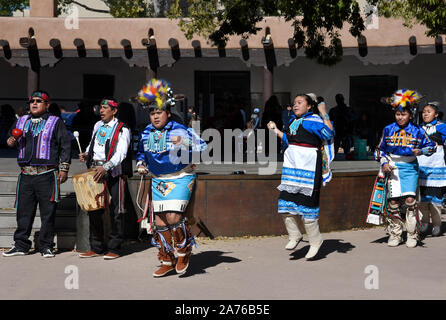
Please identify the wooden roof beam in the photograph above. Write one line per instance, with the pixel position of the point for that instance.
(292, 48)
(362, 46)
(104, 48)
(268, 48)
(30, 44)
(438, 44)
(127, 45)
(175, 49)
(80, 46)
(245, 49)
(152, 50)
(413, 45)
(197, 48)
(57, 48)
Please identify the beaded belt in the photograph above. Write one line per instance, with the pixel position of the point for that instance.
(36, 170)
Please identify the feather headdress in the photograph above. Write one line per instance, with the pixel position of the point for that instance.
(156, 92)
(405, 98)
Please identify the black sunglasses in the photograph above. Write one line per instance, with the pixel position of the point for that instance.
(36, 100)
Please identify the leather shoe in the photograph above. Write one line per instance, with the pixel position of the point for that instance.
(164, 269)
(111, 256)
(89, 254)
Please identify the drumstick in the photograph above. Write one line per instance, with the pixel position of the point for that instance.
(76, 135)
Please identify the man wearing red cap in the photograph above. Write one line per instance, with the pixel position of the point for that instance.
(44, 159)
(108, 153)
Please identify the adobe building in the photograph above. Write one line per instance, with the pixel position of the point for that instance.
(87, 58)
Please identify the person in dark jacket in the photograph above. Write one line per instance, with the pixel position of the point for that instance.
(44, 159)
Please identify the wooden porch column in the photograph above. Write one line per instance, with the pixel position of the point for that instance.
(30, 44)
(33, 80)
(267, 83)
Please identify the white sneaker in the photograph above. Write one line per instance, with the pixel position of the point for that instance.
(14, 252)
(48, 253)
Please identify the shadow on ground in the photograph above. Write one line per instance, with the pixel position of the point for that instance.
(207, 259)
(128, 248)
(328, 246)
(134, 247)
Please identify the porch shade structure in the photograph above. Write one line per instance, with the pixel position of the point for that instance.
(36, 42)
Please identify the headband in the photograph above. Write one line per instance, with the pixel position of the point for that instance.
(110, 103)
(39, 94)
(435, 104)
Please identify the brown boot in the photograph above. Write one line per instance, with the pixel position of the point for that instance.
(183, 244)
(183, 262)
(162, 238)
(167, 265)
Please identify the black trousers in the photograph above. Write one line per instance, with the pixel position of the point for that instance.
(33, 190)
(96, 218)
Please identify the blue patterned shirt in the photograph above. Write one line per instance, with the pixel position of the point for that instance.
(401, 141)
(157, 151)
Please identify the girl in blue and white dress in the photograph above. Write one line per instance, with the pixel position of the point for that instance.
(303, 169)
(432, 171)
(401, 143)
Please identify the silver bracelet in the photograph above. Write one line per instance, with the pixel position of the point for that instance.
(108, 165)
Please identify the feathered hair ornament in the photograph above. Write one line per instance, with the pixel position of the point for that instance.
(405, 98)
(156, 93)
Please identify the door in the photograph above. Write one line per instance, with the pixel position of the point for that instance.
(219, 93)
(365, 99)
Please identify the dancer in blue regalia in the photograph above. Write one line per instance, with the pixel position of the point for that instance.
(432, 171)
(309, 150)
(401, 143)
(165, 152)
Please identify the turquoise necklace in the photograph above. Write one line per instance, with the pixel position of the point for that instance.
(157, 141)
(35, 125)
(295, 126)
(103, 134)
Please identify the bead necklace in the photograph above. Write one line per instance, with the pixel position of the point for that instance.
(35, 125)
